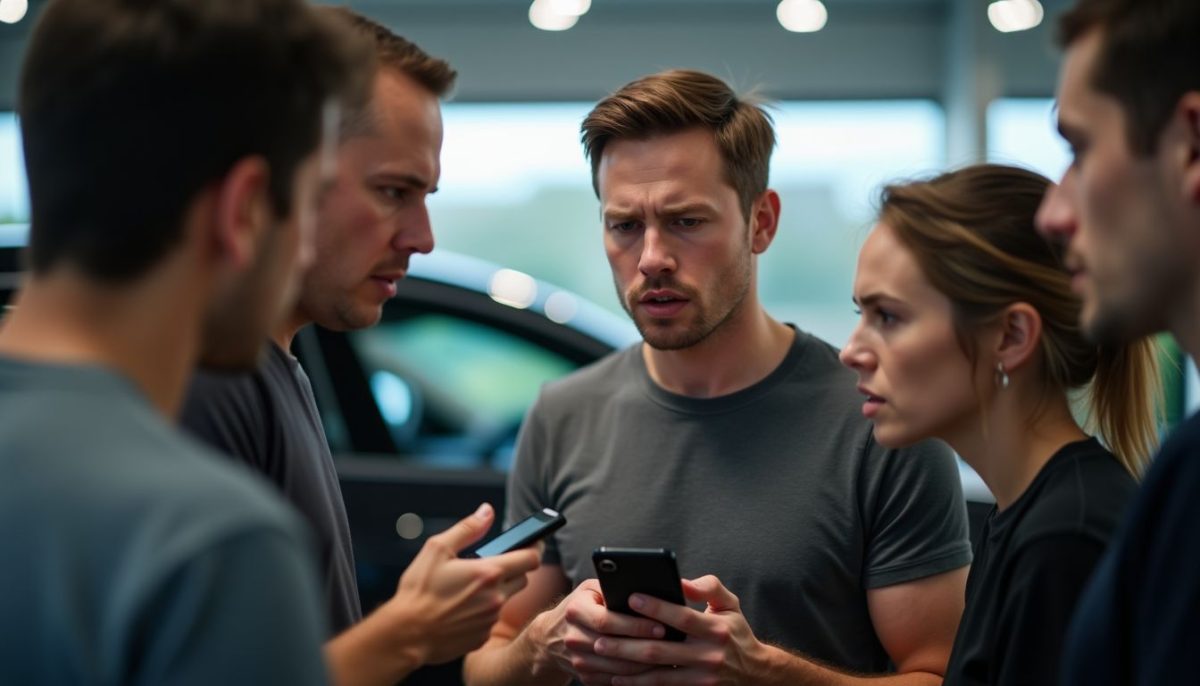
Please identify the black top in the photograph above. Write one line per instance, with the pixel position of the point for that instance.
(1139, 618)
(1031, 562)
(269, 420)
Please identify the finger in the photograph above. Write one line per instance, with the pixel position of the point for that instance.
(681, 617)
(647, 652)
(664, 676)
(586, 663)
(710, 590)
(465, 531)
(513, 585)
(517, 562)
(601, 620)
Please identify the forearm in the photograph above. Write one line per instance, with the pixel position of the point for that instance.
(378, 651)
(784, 668)
(510, 662)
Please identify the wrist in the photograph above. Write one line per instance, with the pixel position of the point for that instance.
(533, 642)
(405, 634)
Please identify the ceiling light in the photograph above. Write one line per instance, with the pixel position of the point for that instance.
(1015, 15)
(570, 8)
(13, 11)
(802, 16)
(543, 15)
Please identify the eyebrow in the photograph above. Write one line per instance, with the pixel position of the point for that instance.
(675, 210)
(403, 179)
(872, 299)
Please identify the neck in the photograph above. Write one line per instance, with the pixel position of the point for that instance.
(738, 354)
(1007, 448)
(286, 332)
(142, 331)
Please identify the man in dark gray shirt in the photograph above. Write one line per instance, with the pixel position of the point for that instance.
(170, 150)
(727, 436)
(372, 220)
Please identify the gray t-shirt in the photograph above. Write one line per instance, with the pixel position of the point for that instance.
(268, 420)
(778, 489)
(134, 555)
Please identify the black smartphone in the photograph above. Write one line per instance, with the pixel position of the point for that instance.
(650, 571)
(523, 533)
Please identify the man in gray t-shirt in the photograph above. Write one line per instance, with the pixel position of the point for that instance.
(809, 554)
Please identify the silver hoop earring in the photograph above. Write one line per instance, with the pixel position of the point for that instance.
(1001, 376)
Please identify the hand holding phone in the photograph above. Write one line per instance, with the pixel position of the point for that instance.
(525, 532)
(650, 571)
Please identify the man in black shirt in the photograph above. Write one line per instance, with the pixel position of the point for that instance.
(1129, 210)
(372, 220)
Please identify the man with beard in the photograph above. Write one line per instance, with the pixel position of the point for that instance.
(729, 437)
(1128, 211)
(370, 223)
(170, 150)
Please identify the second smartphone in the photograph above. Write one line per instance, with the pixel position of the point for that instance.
(649, 571)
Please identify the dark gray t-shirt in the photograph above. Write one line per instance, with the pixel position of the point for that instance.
(778, 489)
(133, 554)
(269, 421)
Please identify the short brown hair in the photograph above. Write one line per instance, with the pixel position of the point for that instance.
(129, 109)
(972, 233)
(679, 99)
(395, 53)
(1148, 59)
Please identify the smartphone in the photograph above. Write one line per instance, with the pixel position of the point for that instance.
(525, 532)
(650, 571)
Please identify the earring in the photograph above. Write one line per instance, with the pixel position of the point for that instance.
(1001, 376)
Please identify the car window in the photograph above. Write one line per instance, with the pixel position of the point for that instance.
(453, 392)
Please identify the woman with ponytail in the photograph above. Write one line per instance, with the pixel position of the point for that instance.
(969, 333)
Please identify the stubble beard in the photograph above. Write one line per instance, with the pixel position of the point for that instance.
(728, 299)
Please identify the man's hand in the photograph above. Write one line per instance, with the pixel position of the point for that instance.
(720, 647)
(452, 603)
(565, 635)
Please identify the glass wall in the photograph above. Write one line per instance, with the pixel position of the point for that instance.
(14, 196)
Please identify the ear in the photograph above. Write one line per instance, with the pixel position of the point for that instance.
(1189, 112)
(243, 211)
(1020, 335)
(764, 221)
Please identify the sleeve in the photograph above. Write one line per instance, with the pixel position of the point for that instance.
(915, 514)
(242, 612)
(1044, 585)
(526, 488)
(226, 411)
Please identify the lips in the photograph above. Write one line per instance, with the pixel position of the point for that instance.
(662, 303)
(872, 404)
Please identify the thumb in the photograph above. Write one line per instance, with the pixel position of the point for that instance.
(710, 590)
(467, 530)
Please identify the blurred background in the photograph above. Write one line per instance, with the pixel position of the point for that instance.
(422, 410)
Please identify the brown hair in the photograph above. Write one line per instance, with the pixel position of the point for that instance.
(391, 52)
(972, 233)
(679, 99)
(1140, 38)
(129, 109)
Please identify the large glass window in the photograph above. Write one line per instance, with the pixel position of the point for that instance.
(1022, 131)
(14, 195)
(516, 190)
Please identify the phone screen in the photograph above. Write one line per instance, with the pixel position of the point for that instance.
(523, 533)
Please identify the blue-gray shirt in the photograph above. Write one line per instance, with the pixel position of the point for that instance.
(133, 555)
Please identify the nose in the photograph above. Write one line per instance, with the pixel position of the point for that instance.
(855, 354)
(1056, 218)
(657, 256)
(414, 233)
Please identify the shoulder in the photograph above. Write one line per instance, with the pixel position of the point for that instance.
(600, 379)
(1081, 493)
